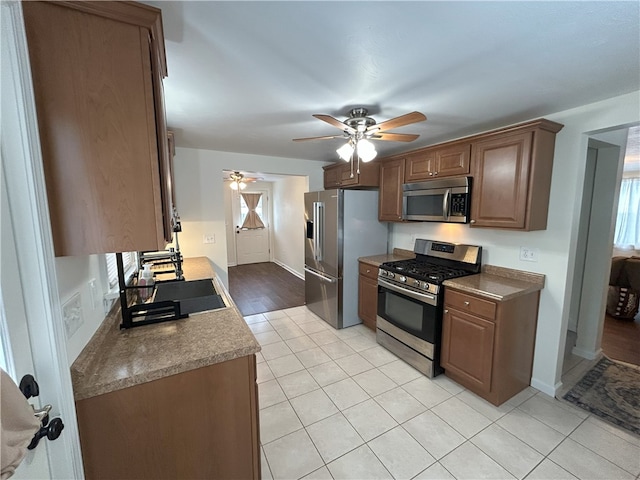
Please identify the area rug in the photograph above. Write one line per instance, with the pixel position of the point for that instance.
(610, 390)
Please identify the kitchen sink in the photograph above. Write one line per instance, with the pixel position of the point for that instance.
(194, 296)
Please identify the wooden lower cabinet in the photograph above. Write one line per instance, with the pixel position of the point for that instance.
(198, 424)
(368, 294)
(488, 346)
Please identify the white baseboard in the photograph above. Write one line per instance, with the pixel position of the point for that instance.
(289, 269)
(588, 354)
(550, 390)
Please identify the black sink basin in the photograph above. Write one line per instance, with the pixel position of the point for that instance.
(194, 296)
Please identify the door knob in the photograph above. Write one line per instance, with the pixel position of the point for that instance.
(51, 431)
(29, 387)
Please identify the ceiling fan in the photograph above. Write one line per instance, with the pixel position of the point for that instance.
(239, 181)
(359, 128)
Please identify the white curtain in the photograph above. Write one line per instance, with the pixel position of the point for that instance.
(627, 223)
(252, 220)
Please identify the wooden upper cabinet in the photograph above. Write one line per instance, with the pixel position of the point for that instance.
(452, 159)
(339, 175)
(512, 177)
(97, 71)
(392, 174)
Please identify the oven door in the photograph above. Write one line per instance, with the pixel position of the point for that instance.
(414, 312)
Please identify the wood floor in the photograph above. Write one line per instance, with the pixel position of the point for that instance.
(621, 339)
(263, 287)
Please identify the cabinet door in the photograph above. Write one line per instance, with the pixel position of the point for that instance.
(390, 198)
(500, 189)
(453, 160)
(420, 166)
(331, 177)
(94, 93)
(467, 348)
(346, 176)
(367, 300)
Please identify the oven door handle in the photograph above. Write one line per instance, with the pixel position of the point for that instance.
(423, 297)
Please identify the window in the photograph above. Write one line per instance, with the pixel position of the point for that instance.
(627, 234)
(128, 262)
(251, 210)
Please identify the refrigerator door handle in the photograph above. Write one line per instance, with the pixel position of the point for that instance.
(318, 237)
(319, 275)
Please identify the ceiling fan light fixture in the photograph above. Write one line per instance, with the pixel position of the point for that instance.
(345, 152)
(366, 150)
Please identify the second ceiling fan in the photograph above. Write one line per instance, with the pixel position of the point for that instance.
(359, 128)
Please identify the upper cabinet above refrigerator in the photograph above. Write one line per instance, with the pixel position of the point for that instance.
(97, 71)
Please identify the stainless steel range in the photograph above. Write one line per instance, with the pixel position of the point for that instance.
(411, 297)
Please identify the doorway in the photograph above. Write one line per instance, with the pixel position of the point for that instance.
(594, 249)
(250, 209)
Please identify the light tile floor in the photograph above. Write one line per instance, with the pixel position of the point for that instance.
(334, 404)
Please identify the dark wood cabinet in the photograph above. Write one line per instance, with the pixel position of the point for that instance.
(342, 175)
(444, 161)
(488, 346)
(202, 423)
(390, 199)
(368, 294)
(512, 177)
(99, 67)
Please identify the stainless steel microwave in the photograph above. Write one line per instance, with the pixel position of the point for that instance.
(443, 200)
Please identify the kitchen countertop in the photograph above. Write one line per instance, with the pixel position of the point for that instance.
(498, 283)
(377, 260)
(115, 359)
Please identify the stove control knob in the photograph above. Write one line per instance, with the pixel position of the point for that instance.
(382, 273)
(416, 283)
(390, 274)
(403, 279)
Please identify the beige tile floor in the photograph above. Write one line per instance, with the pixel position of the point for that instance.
(334, 404)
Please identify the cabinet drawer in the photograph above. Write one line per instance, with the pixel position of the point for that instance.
(469, 304)
(368, 270)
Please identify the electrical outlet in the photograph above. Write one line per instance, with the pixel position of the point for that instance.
(529, 254)
(72, 315)
(209, 238)
(95, 297)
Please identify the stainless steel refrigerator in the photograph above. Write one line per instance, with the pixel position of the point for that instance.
(340, 226)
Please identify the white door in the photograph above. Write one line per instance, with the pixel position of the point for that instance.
(33, 339)
(252, 242)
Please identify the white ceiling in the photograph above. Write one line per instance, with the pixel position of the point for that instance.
(247, 76)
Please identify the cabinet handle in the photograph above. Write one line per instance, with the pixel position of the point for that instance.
(431, 174)
(466, 304)
(472, 221)
(435, 173)
(368, 271)
(446, 310)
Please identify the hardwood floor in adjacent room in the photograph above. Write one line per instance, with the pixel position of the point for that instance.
(264, 287)
(621, 339)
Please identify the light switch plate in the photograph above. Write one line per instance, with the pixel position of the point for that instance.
(209, 238)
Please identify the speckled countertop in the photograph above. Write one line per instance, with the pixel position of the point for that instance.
(115, 359)
(498, 283)
(377, 260)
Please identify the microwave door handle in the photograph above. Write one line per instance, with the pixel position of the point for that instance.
(445, 204)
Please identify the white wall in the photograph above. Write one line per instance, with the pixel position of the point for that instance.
(74, 274)
(557, 243)
(288, 223)
(200, 195)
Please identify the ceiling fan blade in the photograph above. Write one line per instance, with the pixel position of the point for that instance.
(317, 138)
(395, 137)
(334, 122)
(413, 117)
